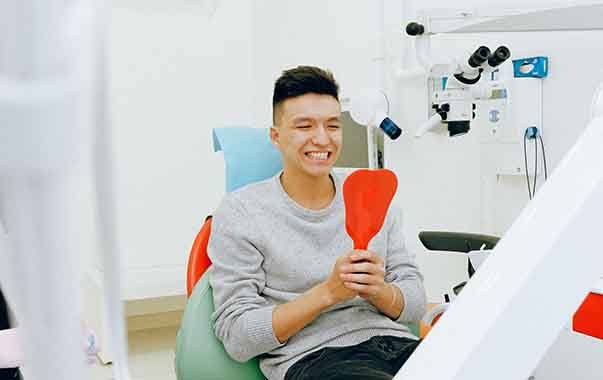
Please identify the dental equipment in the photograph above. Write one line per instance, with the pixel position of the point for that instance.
(371, 108)
(457, 86)
(530, 302)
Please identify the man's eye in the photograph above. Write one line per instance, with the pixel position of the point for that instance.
(303, 126)
(334, 126)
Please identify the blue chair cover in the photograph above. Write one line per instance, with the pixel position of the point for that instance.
(248, 154)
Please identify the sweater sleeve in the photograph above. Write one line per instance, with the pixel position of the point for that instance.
(402, 271)
(242, 318)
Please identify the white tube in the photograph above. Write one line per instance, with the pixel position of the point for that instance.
(107, 215)
(370, 136)
(379, 60)
(432, 123)
(423, 49)
(405, 72)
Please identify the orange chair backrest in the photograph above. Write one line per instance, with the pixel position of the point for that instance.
(588, 319)
(198, 260)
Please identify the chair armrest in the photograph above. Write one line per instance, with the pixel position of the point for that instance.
(456, 241)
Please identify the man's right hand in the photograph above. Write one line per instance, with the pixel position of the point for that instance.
(337, 292)
(292, 316)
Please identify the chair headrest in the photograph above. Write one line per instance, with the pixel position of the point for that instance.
(249, 155)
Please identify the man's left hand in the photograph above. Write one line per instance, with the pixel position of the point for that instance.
(365, 274)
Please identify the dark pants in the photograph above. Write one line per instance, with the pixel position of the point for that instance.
(378, 358)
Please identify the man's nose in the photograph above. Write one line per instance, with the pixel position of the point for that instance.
(321, 136)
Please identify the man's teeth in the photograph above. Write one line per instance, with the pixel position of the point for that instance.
(318, 156)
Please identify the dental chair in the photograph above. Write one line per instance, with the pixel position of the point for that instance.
(249, 157)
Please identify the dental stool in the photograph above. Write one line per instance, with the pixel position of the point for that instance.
(249, 157)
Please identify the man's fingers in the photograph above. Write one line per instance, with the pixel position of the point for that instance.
(362, 289)
(361, 278)
(358, 255)
(363, 267)
(372, 257)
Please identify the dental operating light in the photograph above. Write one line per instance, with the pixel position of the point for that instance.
(371, 108)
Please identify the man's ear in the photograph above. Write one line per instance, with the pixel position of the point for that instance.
(274, 135)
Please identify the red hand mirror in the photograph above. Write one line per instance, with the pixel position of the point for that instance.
(367, 195)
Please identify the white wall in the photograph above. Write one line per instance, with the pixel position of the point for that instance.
(338, 35)
(176, 73)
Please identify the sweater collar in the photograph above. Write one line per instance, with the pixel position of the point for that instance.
(305, 212)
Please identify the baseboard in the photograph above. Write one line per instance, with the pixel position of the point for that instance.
(150, 312)
(154, 321)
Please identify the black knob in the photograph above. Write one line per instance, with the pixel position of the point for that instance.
(479, 56)
(415, 29)
(501, 54)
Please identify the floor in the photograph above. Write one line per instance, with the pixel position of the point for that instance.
(151, 356)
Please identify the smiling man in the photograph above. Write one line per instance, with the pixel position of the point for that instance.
(288, 286)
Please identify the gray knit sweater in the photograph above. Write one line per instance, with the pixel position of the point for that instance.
(266, 250)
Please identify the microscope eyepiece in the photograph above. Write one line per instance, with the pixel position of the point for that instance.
(479, 56)
(501, 54)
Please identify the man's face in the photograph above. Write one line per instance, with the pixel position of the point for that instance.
(308, 133)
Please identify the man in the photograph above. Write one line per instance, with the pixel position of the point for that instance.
(288, 287)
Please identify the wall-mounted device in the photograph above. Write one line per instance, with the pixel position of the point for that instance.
(533, 67)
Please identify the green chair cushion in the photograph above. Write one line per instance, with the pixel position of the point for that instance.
(199, 354)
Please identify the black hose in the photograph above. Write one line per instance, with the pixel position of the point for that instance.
(525, 157)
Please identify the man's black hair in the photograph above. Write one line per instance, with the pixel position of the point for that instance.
(303, 80)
